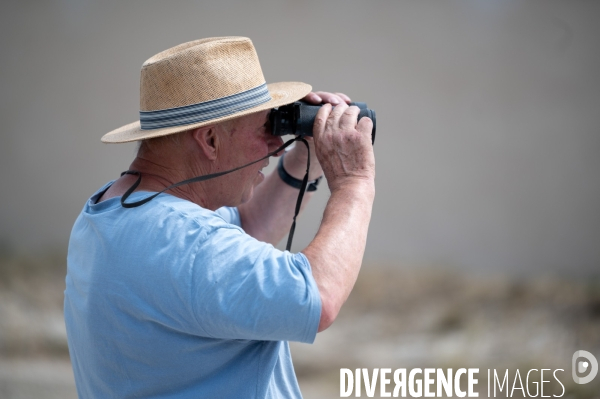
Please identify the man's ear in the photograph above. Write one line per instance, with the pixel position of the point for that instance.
(207, 140)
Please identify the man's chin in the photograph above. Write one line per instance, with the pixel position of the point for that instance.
(260, 177)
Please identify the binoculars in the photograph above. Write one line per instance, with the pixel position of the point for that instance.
(298, 118)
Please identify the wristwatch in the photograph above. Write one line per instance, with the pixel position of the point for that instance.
(292, 181)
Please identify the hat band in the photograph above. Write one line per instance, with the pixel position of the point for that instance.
(206, 110)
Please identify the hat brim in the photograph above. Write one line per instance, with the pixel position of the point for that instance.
(282, 93)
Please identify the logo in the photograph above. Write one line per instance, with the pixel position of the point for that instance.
(584, 362)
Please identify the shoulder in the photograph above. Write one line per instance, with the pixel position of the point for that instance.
(182, 212)
(164, 216)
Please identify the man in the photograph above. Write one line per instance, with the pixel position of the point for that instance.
(185, 295)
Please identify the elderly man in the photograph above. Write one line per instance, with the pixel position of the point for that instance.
(183, 294)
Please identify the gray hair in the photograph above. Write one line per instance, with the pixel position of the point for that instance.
(158, 142)
(155, 143)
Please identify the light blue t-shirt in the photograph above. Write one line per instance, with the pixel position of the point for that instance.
(170, 300)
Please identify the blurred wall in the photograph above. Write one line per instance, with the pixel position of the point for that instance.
(488, 131)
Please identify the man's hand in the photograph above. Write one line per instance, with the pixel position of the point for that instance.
(343, 146)
(295, 159)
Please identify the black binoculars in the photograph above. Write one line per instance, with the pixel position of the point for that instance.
(298, 118)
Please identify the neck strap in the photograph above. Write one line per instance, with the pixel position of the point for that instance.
(197, 179)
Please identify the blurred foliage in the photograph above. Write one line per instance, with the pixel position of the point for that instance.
(31, 302)
(429, 317)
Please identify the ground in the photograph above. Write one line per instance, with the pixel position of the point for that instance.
(396, 317)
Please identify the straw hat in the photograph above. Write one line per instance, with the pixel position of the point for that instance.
(200, 83)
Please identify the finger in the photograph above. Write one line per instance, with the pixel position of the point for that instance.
(344, 97)
(321, 120)
(336, 114)
(348, 118)
(330, 97)
(313, 98)
(365, 126)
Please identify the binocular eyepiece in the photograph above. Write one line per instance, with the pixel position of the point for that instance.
(298, 118)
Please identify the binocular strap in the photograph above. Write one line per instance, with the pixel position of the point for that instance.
(196, 179)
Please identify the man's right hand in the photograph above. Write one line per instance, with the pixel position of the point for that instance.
(343, 146)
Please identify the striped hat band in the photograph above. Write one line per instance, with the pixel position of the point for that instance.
(205, 111)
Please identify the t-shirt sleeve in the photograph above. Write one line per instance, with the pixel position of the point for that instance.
(231, 215)
(243, 288)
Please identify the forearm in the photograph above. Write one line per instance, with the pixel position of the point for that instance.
(336, 253)
(268, 215)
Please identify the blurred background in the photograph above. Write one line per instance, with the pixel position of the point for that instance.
(484, 247)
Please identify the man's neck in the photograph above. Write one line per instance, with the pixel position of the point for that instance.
(156, 176)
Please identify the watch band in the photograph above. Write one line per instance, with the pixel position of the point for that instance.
(292, 181)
